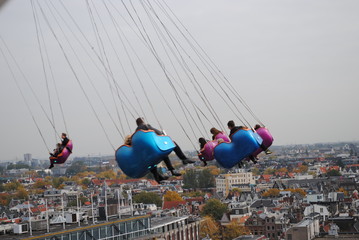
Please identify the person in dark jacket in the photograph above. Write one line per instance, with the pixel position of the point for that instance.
(231, 126)
(141, 125)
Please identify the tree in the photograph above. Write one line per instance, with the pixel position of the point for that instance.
(215, 171)
(56, 182)
(76, 167)
(148, 198)
(4, 199)
(255, 171)
(194, 194)
(234, 230)
(214, 208)
(109, 174)
(12, 186)
(346, 193)
(172, 196)
(206, 179)
(198, 179)
(39, 184)
(297, 190)
(209, 227)
(22, 193)
(85, 182)
(189, 179)
(236, 190)
(333, 172)
(340, 163)
(269, 171)
(273, 192)
(283, 170)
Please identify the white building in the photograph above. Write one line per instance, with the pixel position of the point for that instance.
(226, 182)
(321, 210)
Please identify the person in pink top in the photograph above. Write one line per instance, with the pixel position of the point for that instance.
(217, 135)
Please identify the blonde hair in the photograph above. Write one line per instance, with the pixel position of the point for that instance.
(128, 140)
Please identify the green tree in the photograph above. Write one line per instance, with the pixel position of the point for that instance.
(85, 182)
(148, 198)
(206, 179)
(333, 172)
(57, 182)
(340, 163)
(198, 179)
(189, 179)
(76, 168)
(214, 208)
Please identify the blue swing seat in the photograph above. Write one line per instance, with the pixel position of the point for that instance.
(146, 151)
(244, 143)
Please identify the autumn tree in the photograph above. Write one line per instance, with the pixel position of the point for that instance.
(148, 198)
(255, 171)
(283, 170)
(269, 171)
(56, 182)
(346, 193)
(22, 193)
(215, 171)
(172, 196)
(236, 190)
(12, 186)
(214, 208)
(4, 199)
(194, 194)
(273, 192)
(39, 184)
(109, 174)
(209, 227)
(297, 190)
(234, 230)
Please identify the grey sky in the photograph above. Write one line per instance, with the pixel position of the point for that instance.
(294, 62)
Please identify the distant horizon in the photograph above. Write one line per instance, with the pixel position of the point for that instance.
(107, 155)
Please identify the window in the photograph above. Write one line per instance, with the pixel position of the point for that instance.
(321, 210)
(289, 236)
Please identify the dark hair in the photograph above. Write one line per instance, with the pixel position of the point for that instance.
(202, 141)
(139, 121)
(230, 123)
(257, 126)
(64, 134)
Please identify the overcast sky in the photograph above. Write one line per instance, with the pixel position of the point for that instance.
(295, 63)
